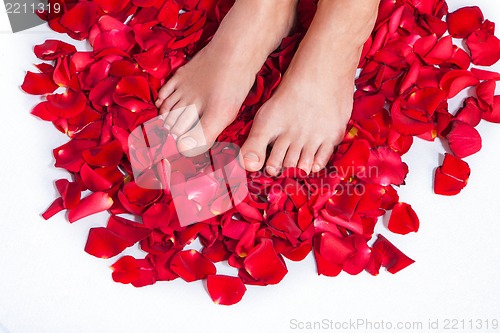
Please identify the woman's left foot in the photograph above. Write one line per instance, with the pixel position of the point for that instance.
(307, 116)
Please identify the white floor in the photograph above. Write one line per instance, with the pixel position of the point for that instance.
(49, 284)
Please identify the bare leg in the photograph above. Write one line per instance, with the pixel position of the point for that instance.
(306, 117)
(217, 80)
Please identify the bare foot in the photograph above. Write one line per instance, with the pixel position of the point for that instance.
(213, 85)
(306, 117)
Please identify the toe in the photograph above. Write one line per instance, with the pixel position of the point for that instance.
(165, 92)
(292, 156)
(254, 148)
(170, 102)
(322, 157)
(193, 142)
(307, 157)
(278, 153)
(202, 136)
(172, 116)
(185, 120)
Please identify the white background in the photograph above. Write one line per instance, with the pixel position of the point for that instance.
(49, 284)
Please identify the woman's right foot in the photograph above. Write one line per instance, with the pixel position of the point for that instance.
(204, 96)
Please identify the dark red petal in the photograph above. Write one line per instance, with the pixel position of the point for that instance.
(330, 253)
(441, 52)
(133, 86)
(385, 254)
(470, 113)
(357, 262)
(464, 140)
(125, 270)
(93, 180)
(225, 290)
(53, 209)
(264, 264)
(103, 243)
(384, 167)
(52, 49)
(69, 155)
(41, 111)
(109, 154)
(161, 263)
(38, 84)
(464, 21)
(484, 48)
(493, 115)
(81, 17)
(138, 272)
(405, 125)
(112, 6)
(191, 265)
(67, 105)
(452, 176)
(483, 74)
(94, 203)
(454, 82)
(70, 192)
(131, 232)
(354, 160)
(485, 92)
(403, 219)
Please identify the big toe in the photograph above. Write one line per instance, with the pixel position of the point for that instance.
(201, 137)
(254, 149)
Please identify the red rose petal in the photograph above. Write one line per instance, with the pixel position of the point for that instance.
(484, 48)
(109, 154)
(483, 74)
(103, 243)
(470, 113)
(452, 176)
(331, 252)
(129, 231)
(485, 92)
(464, 21)
(493, 115)
(191, 265)
(225, 290)
(94, 203)
(464, 140)
(454, 82)
(264, 264)
(52, 49)
(70, 192)
(54, 208)
(385, 254)
(69, 155)
(81, 17)
(384, 167)
(67, 105)
(138, 272)
(403, 219)
(38, 84)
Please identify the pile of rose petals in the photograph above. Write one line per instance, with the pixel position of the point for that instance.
(410, 68)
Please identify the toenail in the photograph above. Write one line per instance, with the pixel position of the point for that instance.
(251, 157)
(316, 168)
(272, 170)
(188, 142)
